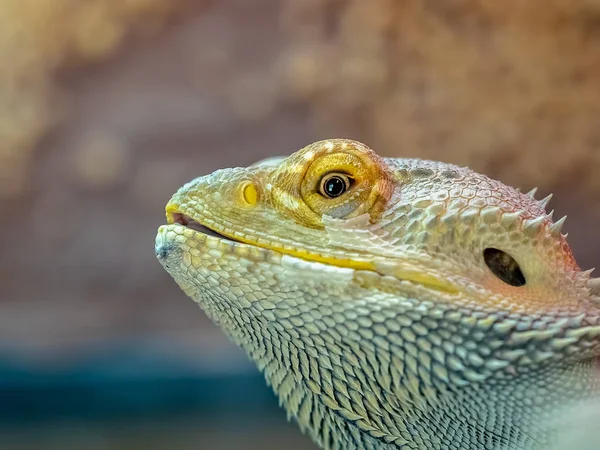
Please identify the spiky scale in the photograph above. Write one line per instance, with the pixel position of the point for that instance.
(544, 202)
(511, 218)
(533, 226)
(557, 226)
(531, 193)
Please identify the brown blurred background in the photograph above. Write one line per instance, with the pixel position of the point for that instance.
(108, 106)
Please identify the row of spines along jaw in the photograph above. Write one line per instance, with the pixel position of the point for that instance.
(532, 227)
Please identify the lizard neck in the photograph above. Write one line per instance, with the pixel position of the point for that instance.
(350, 387)
(526, 413)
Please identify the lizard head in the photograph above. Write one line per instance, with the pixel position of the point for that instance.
(429, 268)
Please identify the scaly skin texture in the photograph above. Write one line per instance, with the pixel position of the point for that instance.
(374, 315)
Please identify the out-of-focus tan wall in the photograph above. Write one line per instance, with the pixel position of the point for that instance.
(107, 107)
(39, 37)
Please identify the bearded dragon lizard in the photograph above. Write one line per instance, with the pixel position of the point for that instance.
(392, 303)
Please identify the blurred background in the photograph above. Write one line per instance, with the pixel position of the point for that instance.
(108, 106)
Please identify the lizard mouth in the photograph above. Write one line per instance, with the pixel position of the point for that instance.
(188, 222)
(408, 273)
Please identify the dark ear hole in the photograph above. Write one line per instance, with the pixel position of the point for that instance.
(504, 266)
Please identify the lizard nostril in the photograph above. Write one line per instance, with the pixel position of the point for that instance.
(504, 266)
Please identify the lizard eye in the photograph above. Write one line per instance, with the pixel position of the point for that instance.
(338, 178)
(333, 185)
(504, 266)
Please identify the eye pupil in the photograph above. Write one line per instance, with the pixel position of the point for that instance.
(504, 266)
(334, 186)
